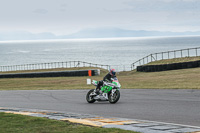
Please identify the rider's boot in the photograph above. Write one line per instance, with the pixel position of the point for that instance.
(98, 87)
(97, 90)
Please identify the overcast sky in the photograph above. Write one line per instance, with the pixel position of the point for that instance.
(69, 16)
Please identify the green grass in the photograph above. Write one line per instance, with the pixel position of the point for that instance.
(13, 123)
(49, 83)
(174, 79)
(175, 60)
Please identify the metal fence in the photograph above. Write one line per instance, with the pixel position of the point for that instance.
(52, 65)
(72, 64)
(119, 68)
(190, 52)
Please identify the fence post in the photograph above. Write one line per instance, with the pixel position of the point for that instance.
(181, 53)
(79, 64)
(168, 54)
(162, 55)
(51, 65)
(196, 51)
(188, 53)
(174, 54)
(156, 56)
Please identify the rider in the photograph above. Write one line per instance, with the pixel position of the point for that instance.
(107, 78)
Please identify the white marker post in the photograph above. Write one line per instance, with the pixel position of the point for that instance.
(88, 81)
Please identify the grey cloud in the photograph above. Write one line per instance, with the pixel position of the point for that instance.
(63, 7)
(40, 11)
(67, 16)
(159, 5)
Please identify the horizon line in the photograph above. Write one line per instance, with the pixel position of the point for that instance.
(93, 39)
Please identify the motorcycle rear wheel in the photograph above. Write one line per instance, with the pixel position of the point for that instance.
(89, 98)
(115, 97)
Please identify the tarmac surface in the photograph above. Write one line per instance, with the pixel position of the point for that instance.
(179, 106)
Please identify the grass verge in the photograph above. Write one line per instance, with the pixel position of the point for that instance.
(13, 123)
(49, 83)
(175, 60)
(174, 79)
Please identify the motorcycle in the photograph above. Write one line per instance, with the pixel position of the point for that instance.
(108, 92)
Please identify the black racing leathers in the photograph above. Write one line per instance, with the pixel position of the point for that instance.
(107, 78)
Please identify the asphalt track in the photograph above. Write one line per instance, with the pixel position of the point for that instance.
(172, 106)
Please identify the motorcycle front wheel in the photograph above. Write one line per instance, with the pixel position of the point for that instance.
(115, 97)
(89, 98)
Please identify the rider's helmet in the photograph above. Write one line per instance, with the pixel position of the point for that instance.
(112, 72)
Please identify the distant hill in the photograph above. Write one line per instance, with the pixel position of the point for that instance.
(91, 33)
(116, 32)
(23, 35)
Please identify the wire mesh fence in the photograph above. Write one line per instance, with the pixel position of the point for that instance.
(52, 65)
(190, 52)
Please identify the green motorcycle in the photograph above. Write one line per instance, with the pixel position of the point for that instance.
(109, 92)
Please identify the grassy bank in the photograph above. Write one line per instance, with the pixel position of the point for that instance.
(12, 123)
(48, 83)
(174, 79)
(175, 60)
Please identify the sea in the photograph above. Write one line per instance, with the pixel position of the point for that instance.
(105, 51)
